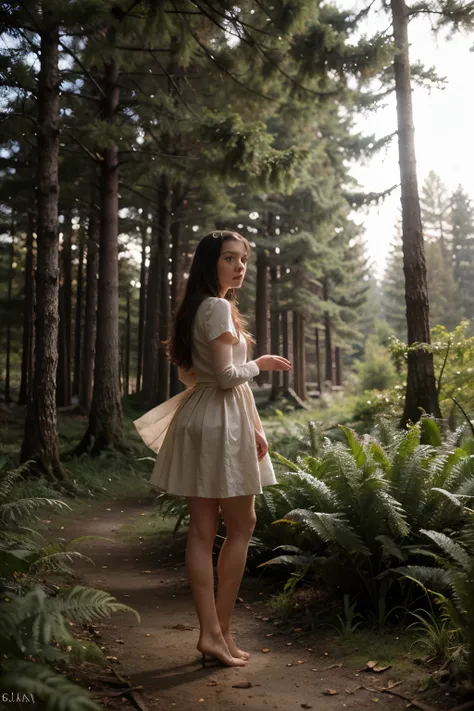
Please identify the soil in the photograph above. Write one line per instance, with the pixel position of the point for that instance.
(159, 653)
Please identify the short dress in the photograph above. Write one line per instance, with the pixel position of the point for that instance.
(205, 436)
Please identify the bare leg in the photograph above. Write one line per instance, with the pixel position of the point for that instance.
(239, 517)
(204, 515)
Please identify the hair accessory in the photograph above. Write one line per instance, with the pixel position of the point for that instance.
(216, 235)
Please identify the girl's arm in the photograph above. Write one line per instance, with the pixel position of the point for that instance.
(227, 374)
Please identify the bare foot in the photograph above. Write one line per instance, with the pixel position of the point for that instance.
(217, 648)
(233, 649)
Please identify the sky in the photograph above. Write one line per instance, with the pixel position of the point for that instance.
(443, 121)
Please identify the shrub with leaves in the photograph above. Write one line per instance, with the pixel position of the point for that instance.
(358, 507)
(450, 579)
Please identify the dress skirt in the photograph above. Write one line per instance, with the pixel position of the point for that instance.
(205, 440)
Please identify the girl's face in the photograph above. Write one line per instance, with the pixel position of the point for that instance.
(231, 265)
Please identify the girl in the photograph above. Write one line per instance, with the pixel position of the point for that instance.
(210, 440)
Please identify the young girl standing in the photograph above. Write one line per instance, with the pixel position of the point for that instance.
(210, 440)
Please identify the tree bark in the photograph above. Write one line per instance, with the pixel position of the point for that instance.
(63, 380)
(141, 312)
(318, 362)
(299, 355)
(126, 378)
(40, 442)
(78, 320)
(8, 344)
(275, 329)
(285, 344)
(261, 311)
(27, 356)
(164, 225)
(421, 391)
(177, 271)
(90, 313)
(338, 363)
(151, 337)
(105, 420)
(327, 335)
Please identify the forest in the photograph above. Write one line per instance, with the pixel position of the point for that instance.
(132, 128)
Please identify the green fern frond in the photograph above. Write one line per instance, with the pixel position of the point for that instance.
(354, 445)
(329, 528)
(390, 548)
(295, 561)
(283, 460)
(13, 510)
(451, 548)
(437, 579)
(88, 605)
(58, 562)
(8, 479)
(54, 691)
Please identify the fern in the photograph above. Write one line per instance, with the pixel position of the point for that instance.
(55, 691)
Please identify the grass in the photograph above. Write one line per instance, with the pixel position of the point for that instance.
(112, 475)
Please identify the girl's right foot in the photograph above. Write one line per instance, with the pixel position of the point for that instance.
(218, 649)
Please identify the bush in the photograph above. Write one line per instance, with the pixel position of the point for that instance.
(349, 514)
(377, 371)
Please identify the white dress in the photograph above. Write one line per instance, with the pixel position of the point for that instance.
(205, 436)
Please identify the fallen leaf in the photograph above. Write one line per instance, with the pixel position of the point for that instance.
(212, 682)
(270, 634)
(289, 664)
(330, 692)
(200, 700)
(265, 650)
(371, 665)
(375, 700)
(120, 641)
(147, 634)
(146, 571)
(242, 685)
(300, 661)
(297, 629)
(379, 670)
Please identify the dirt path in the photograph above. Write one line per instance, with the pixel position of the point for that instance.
(160, 654)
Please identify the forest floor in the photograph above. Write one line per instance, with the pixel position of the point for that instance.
(138, 561)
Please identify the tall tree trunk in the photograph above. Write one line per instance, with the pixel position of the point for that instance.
(176, 268)
(275, 328)
(90, 312)
(285, 346)
(318, 362)
(78, 325)
(141, 312)
(338, 363)
(329, 377)
(41, 441)
(105, 419)
(9, 325)
(421, 386)
(63, 386)
(152, 336)
(299, 352)
(27, 355)
(261, 311)
(164, 207)
(126, 375)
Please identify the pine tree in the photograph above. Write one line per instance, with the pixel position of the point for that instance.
(462, 230)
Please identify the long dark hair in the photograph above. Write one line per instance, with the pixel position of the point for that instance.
(202, 283)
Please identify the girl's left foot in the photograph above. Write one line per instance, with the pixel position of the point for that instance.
(233, 649)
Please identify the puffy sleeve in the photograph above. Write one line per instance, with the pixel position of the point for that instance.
(218, 321)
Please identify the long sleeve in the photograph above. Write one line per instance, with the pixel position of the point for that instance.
(227, 374)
